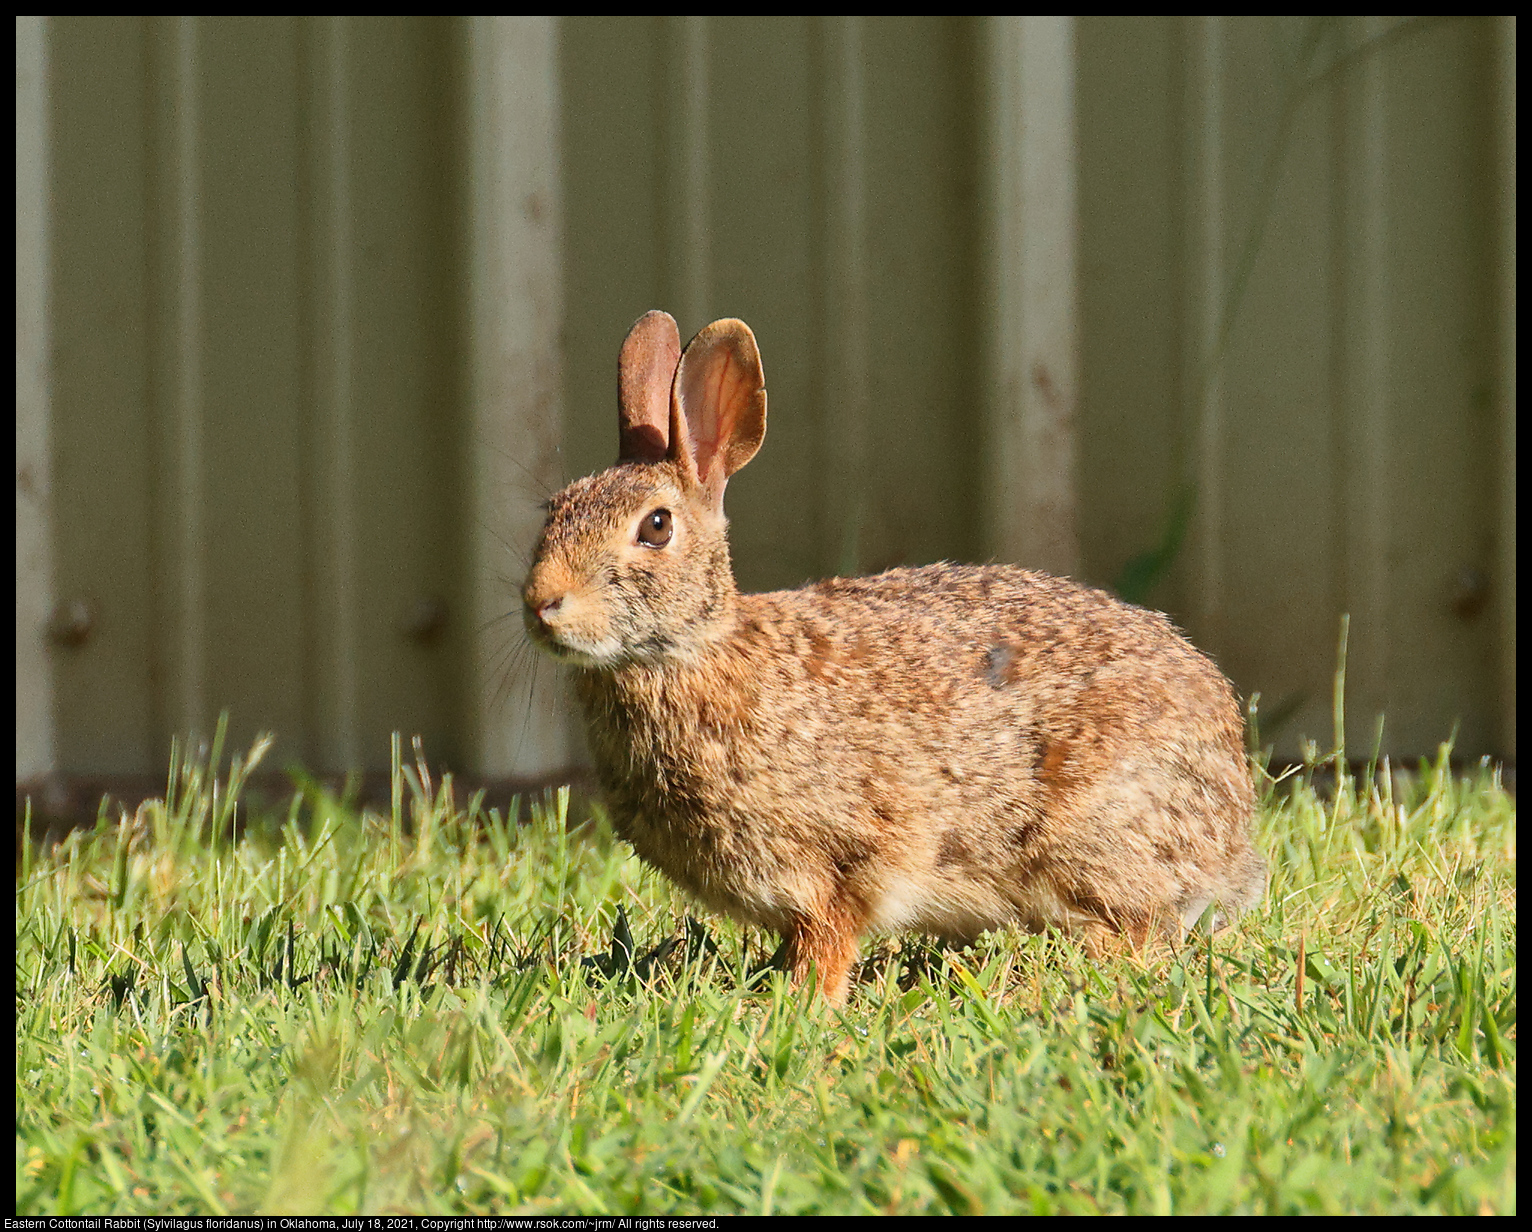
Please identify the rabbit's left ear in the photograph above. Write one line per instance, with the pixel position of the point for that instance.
(718, 405)
(646, 369)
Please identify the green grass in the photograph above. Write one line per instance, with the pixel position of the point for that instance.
(436, 1011)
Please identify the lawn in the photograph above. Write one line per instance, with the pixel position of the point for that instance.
(430, 1009)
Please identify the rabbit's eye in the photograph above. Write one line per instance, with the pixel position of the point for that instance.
(655, 530)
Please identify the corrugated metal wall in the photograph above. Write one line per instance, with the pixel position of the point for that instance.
(255, 407)
(1286, 271)
(822, 184)
(1292, 286)
(1289, 289)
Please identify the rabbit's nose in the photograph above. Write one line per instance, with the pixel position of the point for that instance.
(546, 591)
(548, 609)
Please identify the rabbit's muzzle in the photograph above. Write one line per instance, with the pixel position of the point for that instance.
(565, 621)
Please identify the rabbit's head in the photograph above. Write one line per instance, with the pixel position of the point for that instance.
(633, 563)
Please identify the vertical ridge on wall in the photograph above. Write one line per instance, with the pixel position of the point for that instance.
(330, 475)
(36, 751)
(520, 713)
(1208, 336)
(1034, 360)
(1505, 277)
(1366, 367)
(844, 393)
(184, 658)
(688, 238)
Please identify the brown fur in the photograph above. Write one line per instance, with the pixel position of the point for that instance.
(947, 749)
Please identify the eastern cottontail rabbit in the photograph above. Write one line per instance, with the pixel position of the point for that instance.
(947, 749)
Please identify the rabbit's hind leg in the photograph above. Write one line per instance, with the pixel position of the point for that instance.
(826, 943)
(1118, 934)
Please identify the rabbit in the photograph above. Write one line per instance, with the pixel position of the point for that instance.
(947, 749)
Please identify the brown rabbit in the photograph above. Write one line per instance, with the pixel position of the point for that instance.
(948, 749)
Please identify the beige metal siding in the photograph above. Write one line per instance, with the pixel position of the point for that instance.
(255, 407)
(312, 312)
(35, 737)
(819, 179)
(1504, 578)
(1288, 307)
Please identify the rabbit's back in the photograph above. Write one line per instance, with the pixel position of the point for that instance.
(948, 748)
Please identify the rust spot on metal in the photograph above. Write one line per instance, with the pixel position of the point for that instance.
(1042, 381)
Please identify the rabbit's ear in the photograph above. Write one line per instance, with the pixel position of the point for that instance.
(646, 369)
(718, 405)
